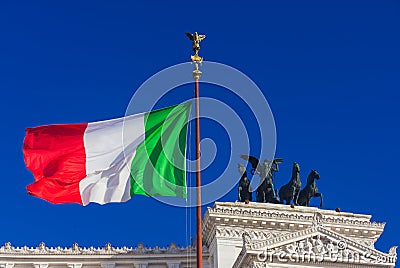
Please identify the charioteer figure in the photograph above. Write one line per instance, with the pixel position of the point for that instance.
(265, 192)
(244, 191)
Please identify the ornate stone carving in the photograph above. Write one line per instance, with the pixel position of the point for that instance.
(232, 232)
(173, 248)
(319, 248)
(392, 251)
(291, 216)
(246, 240)
(314, 244)
(75, 247)
(108, 247)
(269, 217)
(365, 242)
(7, 246)
(318, 219)
(42, 249)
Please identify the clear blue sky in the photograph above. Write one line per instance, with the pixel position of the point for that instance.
(329, 69)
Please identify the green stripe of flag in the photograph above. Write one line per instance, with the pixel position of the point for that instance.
(159, 166)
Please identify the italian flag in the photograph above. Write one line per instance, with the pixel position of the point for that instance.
(110, 161)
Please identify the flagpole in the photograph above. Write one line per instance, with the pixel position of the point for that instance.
(196, 59)
(196, 76)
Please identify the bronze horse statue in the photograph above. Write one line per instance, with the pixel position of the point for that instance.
(310, 190)
(291, 190)
(244, 193)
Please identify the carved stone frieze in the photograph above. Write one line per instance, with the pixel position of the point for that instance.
(295, 215)
(365, 242)
(316, 244)
(237, 233)
(140, 249)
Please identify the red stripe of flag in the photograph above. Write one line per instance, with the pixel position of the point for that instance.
(55, 154)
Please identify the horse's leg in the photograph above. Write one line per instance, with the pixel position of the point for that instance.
(309, 199)
(300, 198)
(320, 195)
(296, 197)
(293, 197)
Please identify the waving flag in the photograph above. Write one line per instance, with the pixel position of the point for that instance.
(109, 161)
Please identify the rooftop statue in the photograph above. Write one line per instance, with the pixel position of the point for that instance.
(265, 192)
(291, 190)
(244, 191)
(310, 190)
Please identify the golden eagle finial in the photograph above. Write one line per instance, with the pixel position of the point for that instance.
(196, 38)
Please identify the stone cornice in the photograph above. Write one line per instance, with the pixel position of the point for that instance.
(108, 250)
(277, 211)
(262, 216)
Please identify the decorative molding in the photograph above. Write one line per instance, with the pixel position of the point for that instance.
(292, 216)
(320, 247)
(393, 252)
(263, 220)
(318, 219)
(237, 233)
(282, 239)
(316, 242)
(366, 242)
(140, 249)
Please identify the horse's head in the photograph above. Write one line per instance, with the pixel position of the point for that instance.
(296, 167)
(312, 176)
(315, 174)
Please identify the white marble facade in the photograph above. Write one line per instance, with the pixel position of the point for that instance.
(274, 235)
(106, 257)
(235, 235)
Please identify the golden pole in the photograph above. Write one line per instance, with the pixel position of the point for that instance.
(196, 59)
